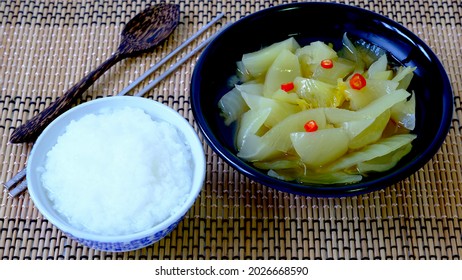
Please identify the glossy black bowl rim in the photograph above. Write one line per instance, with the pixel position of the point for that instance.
(326, 190)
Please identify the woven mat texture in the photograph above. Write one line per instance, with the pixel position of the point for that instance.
(46, 46)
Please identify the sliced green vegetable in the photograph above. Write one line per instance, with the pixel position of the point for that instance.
(320, 147)
(381, 148)
(284, 69)
(257, 63)
(278, 136)
(318, 94)
(384, 163)
(232, 106)
(250, 123)
(279, 110)
(330, 178)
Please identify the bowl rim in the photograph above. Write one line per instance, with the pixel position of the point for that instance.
(343, 190)
(184, 127)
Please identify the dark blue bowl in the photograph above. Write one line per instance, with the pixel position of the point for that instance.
(327, 22)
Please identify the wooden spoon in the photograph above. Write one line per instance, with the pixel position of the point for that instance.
(141, 34)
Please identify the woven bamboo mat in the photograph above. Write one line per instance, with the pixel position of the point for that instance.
(46, 46)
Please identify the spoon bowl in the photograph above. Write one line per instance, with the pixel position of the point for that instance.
(148, 29)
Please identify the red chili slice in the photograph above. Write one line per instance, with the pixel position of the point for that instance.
(287, 87)
(327, 63)
(311, 126)
(357, 81)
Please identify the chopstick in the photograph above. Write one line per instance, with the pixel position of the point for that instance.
(172, 68)
(170, 55)
(17, 184)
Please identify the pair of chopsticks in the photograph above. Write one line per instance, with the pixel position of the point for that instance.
(172, 68)
(17, 184)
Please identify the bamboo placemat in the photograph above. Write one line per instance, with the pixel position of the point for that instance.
(46, 46)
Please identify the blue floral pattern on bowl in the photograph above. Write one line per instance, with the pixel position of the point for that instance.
(134, 244)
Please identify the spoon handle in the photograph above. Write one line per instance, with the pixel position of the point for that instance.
(29, 131)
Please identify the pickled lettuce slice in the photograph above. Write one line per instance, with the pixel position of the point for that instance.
(279, 110)
(291, 98)
(257, 63)
(315, 52)
(315, 178)
(330, 178)
(253, 149)
(232, 106)
(372, 91)
(360, 51)
(320, 147)
(356, 127)
(242, 73)
(284, 69)
(338, 116)
(379, 88)
(278, 136)
(380, 148)
(250, 123)
(350, 52)
(379, 66)
(404, 76)
(341, 69)
(251, 88)
(283, 164)
(371, 133)
(375, 108)
(381, 104)
(403, 113)
(384, 163)
(318, 94)
(311, 55)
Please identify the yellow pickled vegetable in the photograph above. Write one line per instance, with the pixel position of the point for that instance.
(313, 115)
(320, 147)
(278, 136)
(258, 63)
(284, 69)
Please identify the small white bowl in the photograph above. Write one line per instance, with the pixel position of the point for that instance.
(47, 140)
